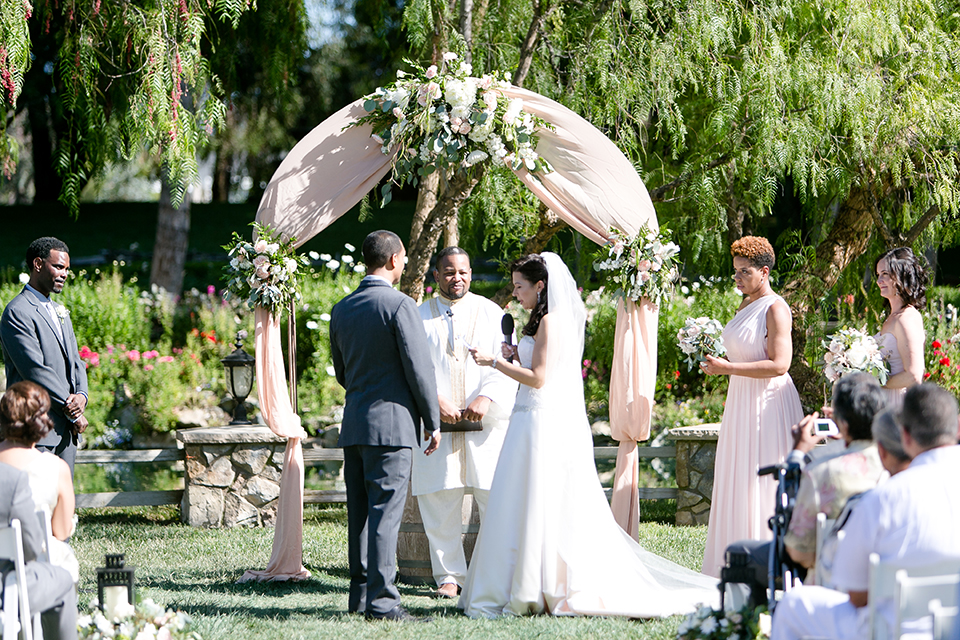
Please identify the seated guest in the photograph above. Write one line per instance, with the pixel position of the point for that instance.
(886, 435)
(50, 589)
(826, 484)
(911, 519)
(886, 432)
(24, 421)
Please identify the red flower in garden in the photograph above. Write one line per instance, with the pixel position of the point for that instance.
(945, 361)
(926, 375)
(936, 344)
(676, 375)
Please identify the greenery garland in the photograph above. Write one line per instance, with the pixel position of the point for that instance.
(440, 118)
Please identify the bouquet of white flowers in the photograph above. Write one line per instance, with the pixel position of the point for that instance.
(266, 273)
(644, 266)
(711, 624)
(145, 621)
(853, 350)
(700, 337)
(440, 117)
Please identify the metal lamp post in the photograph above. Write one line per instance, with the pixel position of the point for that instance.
(239, 368)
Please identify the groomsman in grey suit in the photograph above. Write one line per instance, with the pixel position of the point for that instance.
(39, 345)
(382, 359)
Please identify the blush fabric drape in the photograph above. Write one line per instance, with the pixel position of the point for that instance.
(593, 187)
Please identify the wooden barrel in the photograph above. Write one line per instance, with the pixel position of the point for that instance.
(413, 549)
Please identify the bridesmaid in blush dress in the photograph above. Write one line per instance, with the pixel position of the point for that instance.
(761, 408)
(903, 285)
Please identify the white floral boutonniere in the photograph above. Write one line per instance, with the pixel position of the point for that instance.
(62, 312)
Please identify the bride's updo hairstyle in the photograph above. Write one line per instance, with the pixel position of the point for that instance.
(23, 413)
(757, 250)
(533, 269)
(908, 274)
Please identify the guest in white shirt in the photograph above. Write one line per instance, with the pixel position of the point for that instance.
(912, 519)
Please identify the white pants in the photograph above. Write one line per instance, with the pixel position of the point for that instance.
(442, 521)
(818, 612)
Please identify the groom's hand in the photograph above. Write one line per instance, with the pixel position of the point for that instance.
(477, 409)
(449, 412)
(434, 443)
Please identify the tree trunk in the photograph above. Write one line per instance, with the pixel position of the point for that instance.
(466, 29)
(170, 248)
(550, 224)
(453, 192)
(847, 240)
(222, 172)
(426, 201)
(46, 182)
(451, 235)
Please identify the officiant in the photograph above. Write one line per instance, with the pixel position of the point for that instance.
(475, 406)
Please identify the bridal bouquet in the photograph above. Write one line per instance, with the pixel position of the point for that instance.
(145, 621)
(643, 266)
(707, 623)
(266, 273)
(853, 350)
(700, 337)
(440, 118)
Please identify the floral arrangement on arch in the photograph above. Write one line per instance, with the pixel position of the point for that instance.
(707, 623)
(145, 621)
(851, 350)
(441, 118)
(700, 337)
(642, 266)
(265, 273)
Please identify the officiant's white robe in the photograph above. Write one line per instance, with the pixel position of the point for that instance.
(463, 459)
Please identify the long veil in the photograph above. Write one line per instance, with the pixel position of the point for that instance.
(568, 319)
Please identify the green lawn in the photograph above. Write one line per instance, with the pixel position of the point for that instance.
(195, 570)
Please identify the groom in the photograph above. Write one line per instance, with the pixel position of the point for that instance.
(382, 359)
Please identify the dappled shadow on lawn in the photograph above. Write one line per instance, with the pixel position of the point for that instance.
(231, 587)
(164, 515)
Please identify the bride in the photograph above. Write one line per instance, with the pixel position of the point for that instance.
(549, 542)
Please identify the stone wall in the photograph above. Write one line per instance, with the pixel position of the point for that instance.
(232, 476)
(696, 455)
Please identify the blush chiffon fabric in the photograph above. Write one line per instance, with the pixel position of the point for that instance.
(593, 187)
(755, 432)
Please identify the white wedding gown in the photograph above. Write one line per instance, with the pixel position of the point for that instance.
(548, 542)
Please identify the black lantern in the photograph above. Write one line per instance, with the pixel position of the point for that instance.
(239, 367)
(114, 586)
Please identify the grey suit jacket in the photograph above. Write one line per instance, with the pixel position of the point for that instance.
(32, 350)
(382, 359)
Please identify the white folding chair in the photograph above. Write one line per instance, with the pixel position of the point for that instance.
(824, 527)
(913, 595)
(946, 621)
(883, 586)
(15, 587)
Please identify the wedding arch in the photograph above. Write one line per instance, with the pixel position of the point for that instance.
(593, 187)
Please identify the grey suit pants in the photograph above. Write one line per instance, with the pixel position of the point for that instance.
(376, 480)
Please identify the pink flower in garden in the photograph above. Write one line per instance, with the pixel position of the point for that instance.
(432, 71)
(644, 265)
(165, 359)
(133, 355)
(148, 367)
(110, 349)
(149, 355)
(849, 299)
(485, 83)
(398, 113)
(211, 290)
(429, 289)
(261, 246)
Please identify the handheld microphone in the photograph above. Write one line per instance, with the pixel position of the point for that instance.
(506, 326)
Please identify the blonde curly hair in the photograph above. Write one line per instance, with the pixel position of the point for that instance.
(757, 250)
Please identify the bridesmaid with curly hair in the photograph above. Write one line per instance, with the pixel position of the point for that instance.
(762, 404)
(903, 285)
